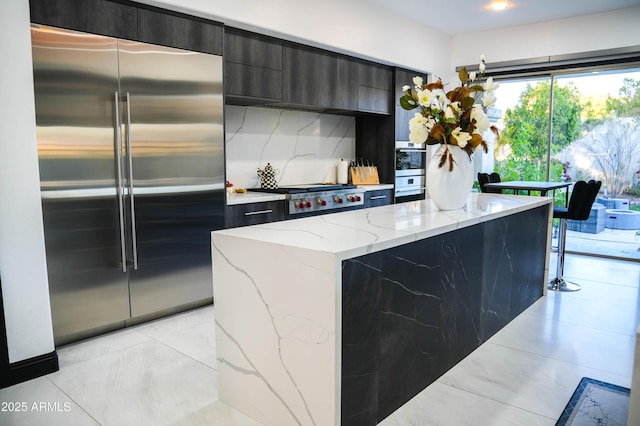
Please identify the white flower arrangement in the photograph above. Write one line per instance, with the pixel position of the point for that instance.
(451, 118)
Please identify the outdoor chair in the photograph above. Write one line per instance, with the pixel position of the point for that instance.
(580, 203)
(489, 178)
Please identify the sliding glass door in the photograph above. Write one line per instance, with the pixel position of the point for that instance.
(569, 127)
(606, 148)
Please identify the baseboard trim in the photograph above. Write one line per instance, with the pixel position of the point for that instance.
(28, 369)
(21, 371)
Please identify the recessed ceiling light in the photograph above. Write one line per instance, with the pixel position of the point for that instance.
(499, 5)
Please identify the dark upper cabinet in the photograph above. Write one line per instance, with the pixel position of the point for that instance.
(261, 69)
(403, 77)
(243, 47)
(375, 84)
(93, 16)
(319, 78)
(130, 21)
(252, 65)
(180, 31)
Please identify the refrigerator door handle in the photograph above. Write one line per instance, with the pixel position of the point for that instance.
(134, 237)
(120, 186)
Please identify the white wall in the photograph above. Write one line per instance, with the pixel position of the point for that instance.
(25, 288)
(353, 27)
(580, 34)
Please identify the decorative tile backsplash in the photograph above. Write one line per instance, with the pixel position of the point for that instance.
(305, 147)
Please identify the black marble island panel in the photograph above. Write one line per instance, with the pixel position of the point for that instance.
(410, 313)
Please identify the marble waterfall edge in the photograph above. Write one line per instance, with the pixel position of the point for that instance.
(278, 299)
(277, 356)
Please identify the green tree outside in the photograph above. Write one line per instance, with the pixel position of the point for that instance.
(523, 143)
(627, 104)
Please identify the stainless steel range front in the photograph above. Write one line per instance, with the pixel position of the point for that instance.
(315, 199)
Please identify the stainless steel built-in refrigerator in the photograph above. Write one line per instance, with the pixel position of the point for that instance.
(130, 145)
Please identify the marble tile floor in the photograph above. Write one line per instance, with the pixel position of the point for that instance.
(164, 372)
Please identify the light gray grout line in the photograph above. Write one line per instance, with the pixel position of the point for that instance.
(182, 330)
(150, 339)
(557, 359)
(136, 329)
(578, 278)
(528, 313)
(103, 354)
(495, 400)
(74, 401)
(185, 354)
(553, 358)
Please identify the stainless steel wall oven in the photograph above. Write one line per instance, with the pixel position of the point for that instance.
(411, 165)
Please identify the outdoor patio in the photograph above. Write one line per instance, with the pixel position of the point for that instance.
(610, 242)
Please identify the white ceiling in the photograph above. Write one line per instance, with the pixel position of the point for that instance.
(468, 16)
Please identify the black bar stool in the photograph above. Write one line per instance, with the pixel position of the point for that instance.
(580, 203)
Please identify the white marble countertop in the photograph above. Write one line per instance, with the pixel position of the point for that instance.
(376, 187)
(252, 197)
(357, 232)
(259, 197)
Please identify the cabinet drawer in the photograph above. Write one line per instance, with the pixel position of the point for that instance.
(380, 197)
(254, 213)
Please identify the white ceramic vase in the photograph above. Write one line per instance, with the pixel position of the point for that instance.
(449, 189)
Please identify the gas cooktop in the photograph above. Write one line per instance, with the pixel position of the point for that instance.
(313, 199)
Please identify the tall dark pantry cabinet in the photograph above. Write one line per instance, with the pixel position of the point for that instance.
(130, 144)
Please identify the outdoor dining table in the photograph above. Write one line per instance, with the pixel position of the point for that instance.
(523, 185)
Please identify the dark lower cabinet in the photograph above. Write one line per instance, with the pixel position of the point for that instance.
(379, 197)
(254, 213)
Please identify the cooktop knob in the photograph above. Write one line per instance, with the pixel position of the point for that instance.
(322, 202)
(337, 199)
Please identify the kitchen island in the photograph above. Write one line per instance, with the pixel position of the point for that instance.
(341, 318)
